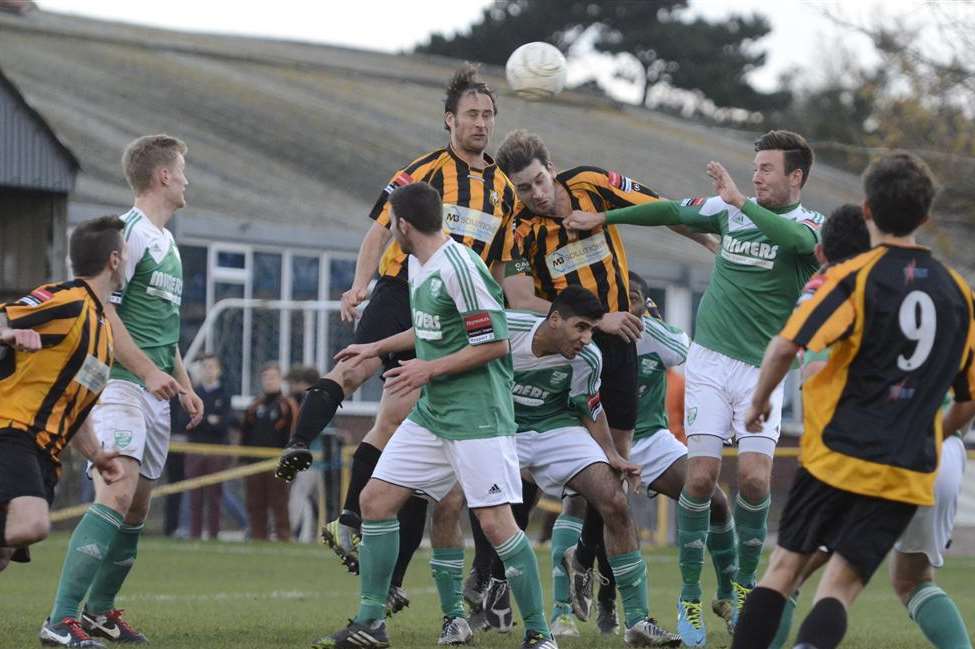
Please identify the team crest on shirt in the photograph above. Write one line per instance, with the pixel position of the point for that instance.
(649, 365)
(558, 377)
(435, 286)
(495, 199)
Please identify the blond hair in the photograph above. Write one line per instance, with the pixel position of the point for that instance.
(144, 155)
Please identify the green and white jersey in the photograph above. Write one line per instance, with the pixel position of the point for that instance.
(149, 304)
(660, 346)
(456, 303)
(755, 283)
(551, 391)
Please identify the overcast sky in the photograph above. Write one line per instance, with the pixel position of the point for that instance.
(799, 38)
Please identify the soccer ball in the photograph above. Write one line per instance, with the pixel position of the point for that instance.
(536, 70)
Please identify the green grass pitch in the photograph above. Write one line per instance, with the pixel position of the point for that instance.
(215, 595)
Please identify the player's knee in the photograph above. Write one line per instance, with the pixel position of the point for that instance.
(753, 486)
(350, 378)
(700, 484)
(372, 504)
(615, 509)
(28, 532)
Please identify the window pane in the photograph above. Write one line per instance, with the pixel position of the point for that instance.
(231, 259)
(304, 278)
(341, 274)
(194, 292)
(227, 336)
(267, 276)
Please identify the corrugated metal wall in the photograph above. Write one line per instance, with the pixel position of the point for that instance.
(33, 227)
(29, 157)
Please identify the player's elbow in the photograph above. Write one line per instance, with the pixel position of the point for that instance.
(494, 350)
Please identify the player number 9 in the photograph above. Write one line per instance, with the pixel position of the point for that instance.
(918, 321)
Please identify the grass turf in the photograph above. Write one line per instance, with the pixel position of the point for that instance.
(187, 595)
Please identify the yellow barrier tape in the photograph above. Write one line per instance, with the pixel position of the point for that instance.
(182, 485)
(229, 450)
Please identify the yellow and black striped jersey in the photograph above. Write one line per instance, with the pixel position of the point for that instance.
(49, 393)
(900, 331)
(594, 259)
(478, 206)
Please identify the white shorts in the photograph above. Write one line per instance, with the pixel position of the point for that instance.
(718, 393)
(930, 529)
(654, 455)
(556, 456)
(487, 469)
(128, 419)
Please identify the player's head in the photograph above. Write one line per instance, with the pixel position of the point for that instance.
(523, 157)
(782, 163)
(844, 235)
(97, 247)
(271, 378)
(899, 189)
(300, 378)
(573, 315)
(416, 210)
(639, 290)
(469, 110)
(210, 368)
(155, 164)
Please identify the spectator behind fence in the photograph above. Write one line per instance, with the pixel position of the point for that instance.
(268, 422)
(214, 429)
(303, 499)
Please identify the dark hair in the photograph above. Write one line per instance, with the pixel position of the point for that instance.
(420, 205)
(519, 149)
(465, 80)
(93, 242)
(900, 189)
(795, 150)
(640, 283)
(303, 374)
(845, 233)
(271, 365)
(144, 155)
(578, 301)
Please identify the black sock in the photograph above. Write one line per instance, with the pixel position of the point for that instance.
(591, 539)
(484, 552)
(3, 526)
(522, 512)
(317, 411)
(607, 588)
(759, 619)
(825, 625)
(497, 568)
(363, 462)
(412, 522)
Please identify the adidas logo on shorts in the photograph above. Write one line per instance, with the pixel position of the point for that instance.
(495, 489)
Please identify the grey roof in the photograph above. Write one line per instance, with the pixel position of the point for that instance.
(292, 138)
(31, 156)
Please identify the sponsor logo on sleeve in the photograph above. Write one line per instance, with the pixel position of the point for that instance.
(621, 182)
(401, 179)
(593, 404)
(479, 328)
(693, 202)
(811, 287)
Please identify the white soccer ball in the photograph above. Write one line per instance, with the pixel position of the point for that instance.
(536, 70)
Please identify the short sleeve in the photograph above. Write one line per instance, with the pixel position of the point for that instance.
(587, 367)
(479, 307)
(666, 341)
(135, 248)
(380, 210)
(622, 191)
(826, 311)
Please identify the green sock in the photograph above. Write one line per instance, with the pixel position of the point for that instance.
(785, 622)
(693, 520)
(447, 565)
(751, 521)
(724, 556)
(88, 547)
(377, 559)
(565, 534)
(630, 572)
(939, 619)
(121, 557)
(521, 569)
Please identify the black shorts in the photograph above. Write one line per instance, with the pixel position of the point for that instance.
(24, 469)
(618, 393)
(387, 314)
(861, 529)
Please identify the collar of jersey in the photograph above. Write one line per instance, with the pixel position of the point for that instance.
(778, 210)
(487, 159)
